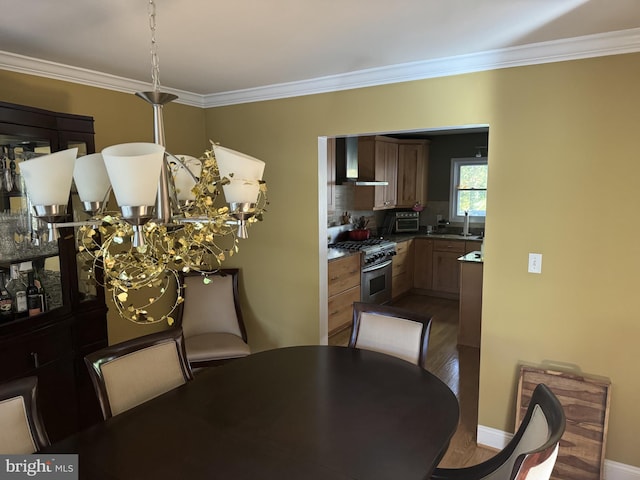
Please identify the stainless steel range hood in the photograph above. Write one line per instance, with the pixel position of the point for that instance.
(347, 164)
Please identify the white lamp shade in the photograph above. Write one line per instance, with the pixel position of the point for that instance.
(241, 191)
(243, 171)
(92, 180)
(48, 178)
(182, 180)
(134, 171)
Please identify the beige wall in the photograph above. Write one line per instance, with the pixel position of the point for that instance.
(562, 167)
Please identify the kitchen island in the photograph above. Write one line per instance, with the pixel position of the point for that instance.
(469, 327)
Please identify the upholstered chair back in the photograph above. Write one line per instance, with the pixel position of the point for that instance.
(390, 330)
(21, 428)
(210, 307)
(211, 318)
(133, 372)
(531, 454)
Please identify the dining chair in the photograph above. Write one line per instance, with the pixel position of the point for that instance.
(130, 373)
(391, 330)
(211, 319)
(21, 427)
(531, 454)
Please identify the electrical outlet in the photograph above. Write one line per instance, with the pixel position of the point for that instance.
(535, 263)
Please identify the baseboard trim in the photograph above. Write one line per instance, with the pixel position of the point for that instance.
(497, 439)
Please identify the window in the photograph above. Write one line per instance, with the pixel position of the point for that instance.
(469, 188)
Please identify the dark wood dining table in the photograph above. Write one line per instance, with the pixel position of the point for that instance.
(300, 413)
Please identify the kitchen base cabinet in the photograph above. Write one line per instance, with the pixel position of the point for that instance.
(423, 265)
(344, 289)
(341, 309)
(402, 269)
(446, 271)
(436, 269)
(470, 303)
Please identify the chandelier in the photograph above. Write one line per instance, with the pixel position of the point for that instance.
(172, 216)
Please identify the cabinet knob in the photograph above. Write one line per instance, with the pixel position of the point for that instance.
(36, 361)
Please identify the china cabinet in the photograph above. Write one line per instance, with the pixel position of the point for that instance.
(50, 344)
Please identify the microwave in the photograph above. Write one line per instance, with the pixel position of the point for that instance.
(407, 222)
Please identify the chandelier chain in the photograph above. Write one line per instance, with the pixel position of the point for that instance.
(155, 63)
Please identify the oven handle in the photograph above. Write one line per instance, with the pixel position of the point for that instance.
(377, 267)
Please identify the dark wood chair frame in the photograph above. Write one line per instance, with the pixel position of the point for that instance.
(550, 405)
(391, 311)
(236, 301)
(95, 360)
(27, 388)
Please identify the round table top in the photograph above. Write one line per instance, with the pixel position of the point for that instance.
(299, 412)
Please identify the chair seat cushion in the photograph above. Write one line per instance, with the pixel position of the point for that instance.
(214, 346)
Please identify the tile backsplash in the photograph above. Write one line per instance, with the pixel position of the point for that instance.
(344, 201)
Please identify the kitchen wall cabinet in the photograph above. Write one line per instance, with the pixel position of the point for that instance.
(412, 173)
(343, 289)
(52, 344)
(400, 162)
(378, 160)
(402, 269)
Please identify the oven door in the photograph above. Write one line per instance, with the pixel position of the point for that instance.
(376, 283)
(407, 224)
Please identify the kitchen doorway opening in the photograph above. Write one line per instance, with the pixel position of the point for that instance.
(457, 364)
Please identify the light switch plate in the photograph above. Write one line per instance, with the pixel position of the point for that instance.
(535, 263)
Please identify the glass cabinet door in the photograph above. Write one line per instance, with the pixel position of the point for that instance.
(24, 240)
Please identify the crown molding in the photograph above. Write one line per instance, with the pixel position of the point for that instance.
(603, 44)
(57, 71)
(611, 43)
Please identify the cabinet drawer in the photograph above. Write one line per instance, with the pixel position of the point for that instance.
(23, 356)
(449, 246)
(344, 273)
(341, 308)
(403, 260)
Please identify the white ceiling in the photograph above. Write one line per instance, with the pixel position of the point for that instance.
(216, 52)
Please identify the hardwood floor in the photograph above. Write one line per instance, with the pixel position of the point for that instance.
(457, 366)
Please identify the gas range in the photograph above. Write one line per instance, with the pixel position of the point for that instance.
(375, 250)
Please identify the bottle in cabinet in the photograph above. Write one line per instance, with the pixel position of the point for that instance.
(37, 281)
(18, 291)
(6, 302)
(34, 298)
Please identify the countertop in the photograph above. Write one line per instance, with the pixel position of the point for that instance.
(402, 237)
(335, 253)
(472, 257)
